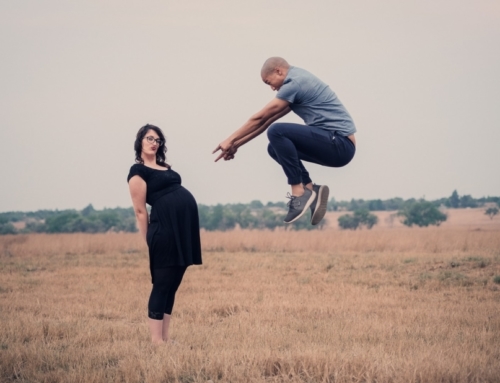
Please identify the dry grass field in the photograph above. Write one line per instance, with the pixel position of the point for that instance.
(391, 304)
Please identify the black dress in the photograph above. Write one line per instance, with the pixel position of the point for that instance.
(173, 235)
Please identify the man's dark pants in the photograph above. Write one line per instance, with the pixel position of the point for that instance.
(290, 144)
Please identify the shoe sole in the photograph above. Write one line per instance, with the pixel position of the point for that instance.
(306, 208)
(321, 205)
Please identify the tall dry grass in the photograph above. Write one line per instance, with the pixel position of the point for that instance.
(387, 305)
(431, 240)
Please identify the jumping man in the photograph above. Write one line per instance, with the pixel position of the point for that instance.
(327, 138)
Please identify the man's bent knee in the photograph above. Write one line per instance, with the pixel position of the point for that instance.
(275, 129)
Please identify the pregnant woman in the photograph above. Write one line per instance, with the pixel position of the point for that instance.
(172, 231)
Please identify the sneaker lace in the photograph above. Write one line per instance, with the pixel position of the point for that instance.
(293, 199)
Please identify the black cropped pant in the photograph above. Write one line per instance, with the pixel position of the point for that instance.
(161, 300)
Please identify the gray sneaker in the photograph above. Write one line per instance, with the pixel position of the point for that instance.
(299, 205)
(319, 205)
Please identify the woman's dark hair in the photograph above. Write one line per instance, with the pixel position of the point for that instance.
(160, 153)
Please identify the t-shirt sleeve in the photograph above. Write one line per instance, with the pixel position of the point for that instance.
(135, 170)
(288, 92)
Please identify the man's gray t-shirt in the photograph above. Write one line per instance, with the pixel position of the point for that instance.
(313, 101)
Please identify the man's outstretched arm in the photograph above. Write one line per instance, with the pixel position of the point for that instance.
(229, 154)
(255, 125)
(242, 141)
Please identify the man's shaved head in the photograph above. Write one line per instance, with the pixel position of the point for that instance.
(272, 63)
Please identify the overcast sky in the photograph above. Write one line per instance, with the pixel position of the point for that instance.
(421, 79)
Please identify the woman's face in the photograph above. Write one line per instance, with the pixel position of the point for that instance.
(150, 143)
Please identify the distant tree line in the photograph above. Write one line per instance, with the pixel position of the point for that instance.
(88, 220)
(412, 212)
(454, 201)
(254, 215)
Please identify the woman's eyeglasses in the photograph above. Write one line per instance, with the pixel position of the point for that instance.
(151, 140)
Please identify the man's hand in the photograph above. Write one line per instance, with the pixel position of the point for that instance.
(257, 123)
(225, 148)
(229, 155)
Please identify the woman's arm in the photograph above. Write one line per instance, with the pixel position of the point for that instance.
(137, 187)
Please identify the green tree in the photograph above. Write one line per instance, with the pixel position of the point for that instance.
(229, 218)
(454, 200)
(247, 219)
(83, 225)
(365, 218)
(204, 215)
(88, 210)
(348, 222)
(332, 205)
(256, 204)
(216, 217)
(376, 205)
(491, 212)
(61, 223)
(394, 203)
(108, 218)
(358, 204)
(422, 213)
(270, 220)
(7, 228)
(467, 201)
(35, 227)
(360, 217)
